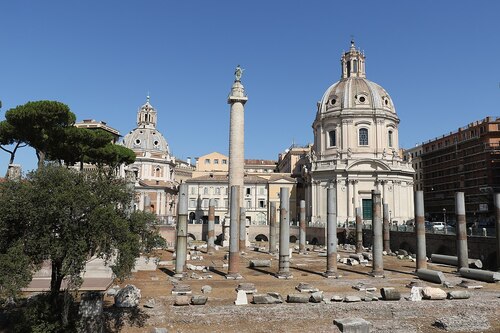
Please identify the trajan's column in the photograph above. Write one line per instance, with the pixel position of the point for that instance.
(237, 100)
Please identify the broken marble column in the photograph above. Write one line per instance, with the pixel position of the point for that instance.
(284, 254)
(377, 238)
(302, 227)
(462, 252)
(331, 233)
(421, 261)
(386, 230)
(359, 231)
(272, 228)
(182, 225)
(234, 254)
(211, 227)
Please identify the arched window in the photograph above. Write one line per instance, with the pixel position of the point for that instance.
(389, 138)
(205, 190)
(354, 65)
(332, 138)
(363, 137)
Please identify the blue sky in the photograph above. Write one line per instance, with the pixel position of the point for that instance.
(437, 59)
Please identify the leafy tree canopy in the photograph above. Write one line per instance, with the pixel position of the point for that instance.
(67, 217)
(40, 124)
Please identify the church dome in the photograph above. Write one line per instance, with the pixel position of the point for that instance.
(146, 137)
(354, 92)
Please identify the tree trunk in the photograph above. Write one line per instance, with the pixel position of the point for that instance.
(56, 278)
(41, 158)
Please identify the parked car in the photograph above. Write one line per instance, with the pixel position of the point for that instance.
(438, 226)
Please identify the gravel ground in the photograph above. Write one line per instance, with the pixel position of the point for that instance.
(480, 313)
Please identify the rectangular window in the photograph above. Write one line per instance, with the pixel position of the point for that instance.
(192, 203)
(224, 161)
(262, 191)
(363, 137)
(248, 191)
(262, 204)
(390, 139)
(216, 161)
(248, 204)
(367, 209)
(332, 138)
(207, 161)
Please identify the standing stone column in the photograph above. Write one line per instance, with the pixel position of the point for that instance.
(462, 251)
(420, 230)
(211, 227)
(284, 255)
(302, 227)
(272, 228)
(378, 263)
(387, 230)
(496, 204)
(181, 244)
(237, 100)
(331, 233)
(359, 231)
(243, 230)
(234, 254)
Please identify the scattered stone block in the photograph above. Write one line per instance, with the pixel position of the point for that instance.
(363, 287)
(469, 284)
(248, 288)
(402, 252)
(357, 256)
(458, 294)
(353, 325)
(150, 304)
(260, 263)
(316, 297)
(367, 255)
(415, 294)
(206, 289)
(276, 295)
(306, 288)
(181, 289)
(322, 254)
(352, 262)
(433, 293)
(241, 298)
(352, 299)
(269, 298)
(112, 291)
(159, 330)
(199, 300)
(182, 300)
(336, 298)
(297, 298)
(128, 297)
(390, 294)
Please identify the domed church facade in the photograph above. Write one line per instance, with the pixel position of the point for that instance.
(356, 149)
(154, 167)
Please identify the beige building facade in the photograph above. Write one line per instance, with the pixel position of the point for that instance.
(154, 167)
(356, 149)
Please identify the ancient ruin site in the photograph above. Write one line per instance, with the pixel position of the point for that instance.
(306, 301)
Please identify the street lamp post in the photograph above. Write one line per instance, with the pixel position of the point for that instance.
(444, 220)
